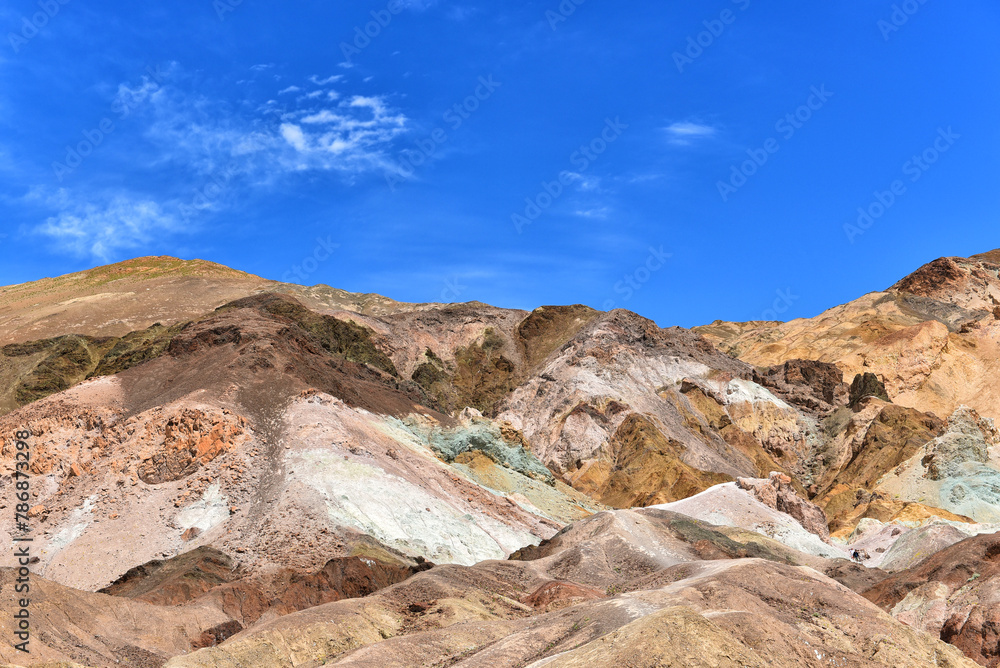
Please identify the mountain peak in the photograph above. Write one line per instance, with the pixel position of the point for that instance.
(160, 265)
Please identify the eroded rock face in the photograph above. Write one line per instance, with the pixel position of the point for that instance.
(707, 421)
(777, 492)
(967, 439)
(867, 444)
(190, 439)
(959, 471)
(501, 443)
(808, 384)
(648, 468)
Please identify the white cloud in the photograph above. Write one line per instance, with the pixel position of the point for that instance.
(293, 135)
(351, 136)
(327, 81)
(324, 116)
(597, 212)
(101, 226)
(684, 133)
(290, 89)
(584, 183)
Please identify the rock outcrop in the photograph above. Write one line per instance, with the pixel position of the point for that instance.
(867, 385)
(777, 492)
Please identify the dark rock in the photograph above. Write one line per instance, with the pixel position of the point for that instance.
(867, 385)
(818, 387)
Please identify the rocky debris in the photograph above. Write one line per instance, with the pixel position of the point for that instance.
(217, 634)
(556, 595)
(945, 278)
(191, 439)
(867, 385)
(776, 492)
(814, 386)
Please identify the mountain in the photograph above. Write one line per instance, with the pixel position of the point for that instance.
(304, 476)
(932, 336)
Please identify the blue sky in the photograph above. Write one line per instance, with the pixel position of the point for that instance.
(685, 162)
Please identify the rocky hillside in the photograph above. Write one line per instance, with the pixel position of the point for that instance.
(932, 337)
(303, 476)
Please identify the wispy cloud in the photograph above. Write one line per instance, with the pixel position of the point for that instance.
(102, 226)
(598, 212)
(290, 89)
(209, 141)
(350, 136)
(327, 81)
(684, 133)
(583, 182)
(319, 131)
